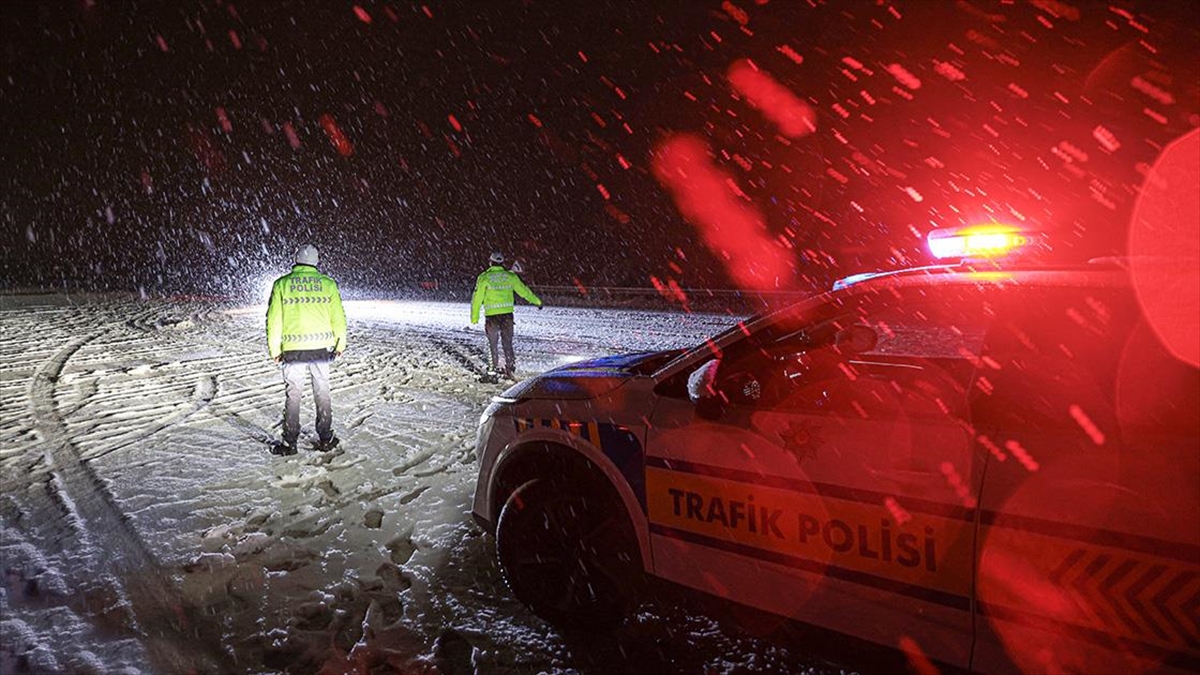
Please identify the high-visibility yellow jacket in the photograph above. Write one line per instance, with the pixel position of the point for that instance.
(494, 292)
(305, 313)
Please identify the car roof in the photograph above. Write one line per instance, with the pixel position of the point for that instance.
(1099, 273)
(1102, 271)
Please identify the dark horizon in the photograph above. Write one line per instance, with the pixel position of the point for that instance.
(190, 147)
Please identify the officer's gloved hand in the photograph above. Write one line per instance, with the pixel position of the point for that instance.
(541, 307)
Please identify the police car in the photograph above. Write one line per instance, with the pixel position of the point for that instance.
(993, 466)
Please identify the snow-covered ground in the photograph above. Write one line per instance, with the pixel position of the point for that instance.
(146, 528)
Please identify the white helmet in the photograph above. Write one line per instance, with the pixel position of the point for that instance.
(497, 258)
(307, 255)
(517, 267)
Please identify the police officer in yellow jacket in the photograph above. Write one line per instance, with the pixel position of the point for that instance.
(306, 329)
(494, 294)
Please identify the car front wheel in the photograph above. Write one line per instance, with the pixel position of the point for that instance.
(569, 553)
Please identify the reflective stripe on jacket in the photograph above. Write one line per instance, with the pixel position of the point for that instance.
(305, 313)
(494, 292)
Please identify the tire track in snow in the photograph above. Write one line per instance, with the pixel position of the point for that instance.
(85, 497)
(202, 395)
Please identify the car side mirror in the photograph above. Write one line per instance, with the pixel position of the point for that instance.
(712, 393)
(701, 384)
(856, 339)
(702, 391)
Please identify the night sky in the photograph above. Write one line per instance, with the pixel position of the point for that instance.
(189, 146)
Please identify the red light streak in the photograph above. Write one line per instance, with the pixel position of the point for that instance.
(899, 514)
(949, 71)
(362, 14)
(1106, 139)
(204, 150)
(787, 51)
(1059, 10)
(916, 657)
(336, 137)
(454, 123)
(670, 290)
(1155, 115)
(1022, 455)
(992, 448)
(223, 119)
(794, 117)
(1086, 424)
(617, 214)
(956, 482)
(903, 76)
(736, 13)
(730, 228)
(290, 132)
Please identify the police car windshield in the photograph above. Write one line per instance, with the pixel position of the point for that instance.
(811, 310)
(908, 321)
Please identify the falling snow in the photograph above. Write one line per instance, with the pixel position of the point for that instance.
(171, 156)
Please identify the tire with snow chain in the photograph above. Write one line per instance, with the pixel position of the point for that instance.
(569, 552)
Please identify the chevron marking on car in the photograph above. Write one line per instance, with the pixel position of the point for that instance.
(1150, 594)
(588, 431)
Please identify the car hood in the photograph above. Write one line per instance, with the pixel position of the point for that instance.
(587, 379)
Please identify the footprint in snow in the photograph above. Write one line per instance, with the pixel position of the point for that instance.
(401, 549)
(452, 653)
(373, 519)
(329, 489)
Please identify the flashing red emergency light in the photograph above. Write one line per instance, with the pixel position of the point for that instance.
(978, 241)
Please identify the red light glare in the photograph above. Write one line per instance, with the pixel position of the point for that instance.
(794, 117)
(1164, 248)
(732, 229)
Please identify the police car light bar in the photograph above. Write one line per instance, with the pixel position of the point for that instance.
(977, 241)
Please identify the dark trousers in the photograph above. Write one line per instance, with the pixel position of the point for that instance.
(293, 380)
(499, 328)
